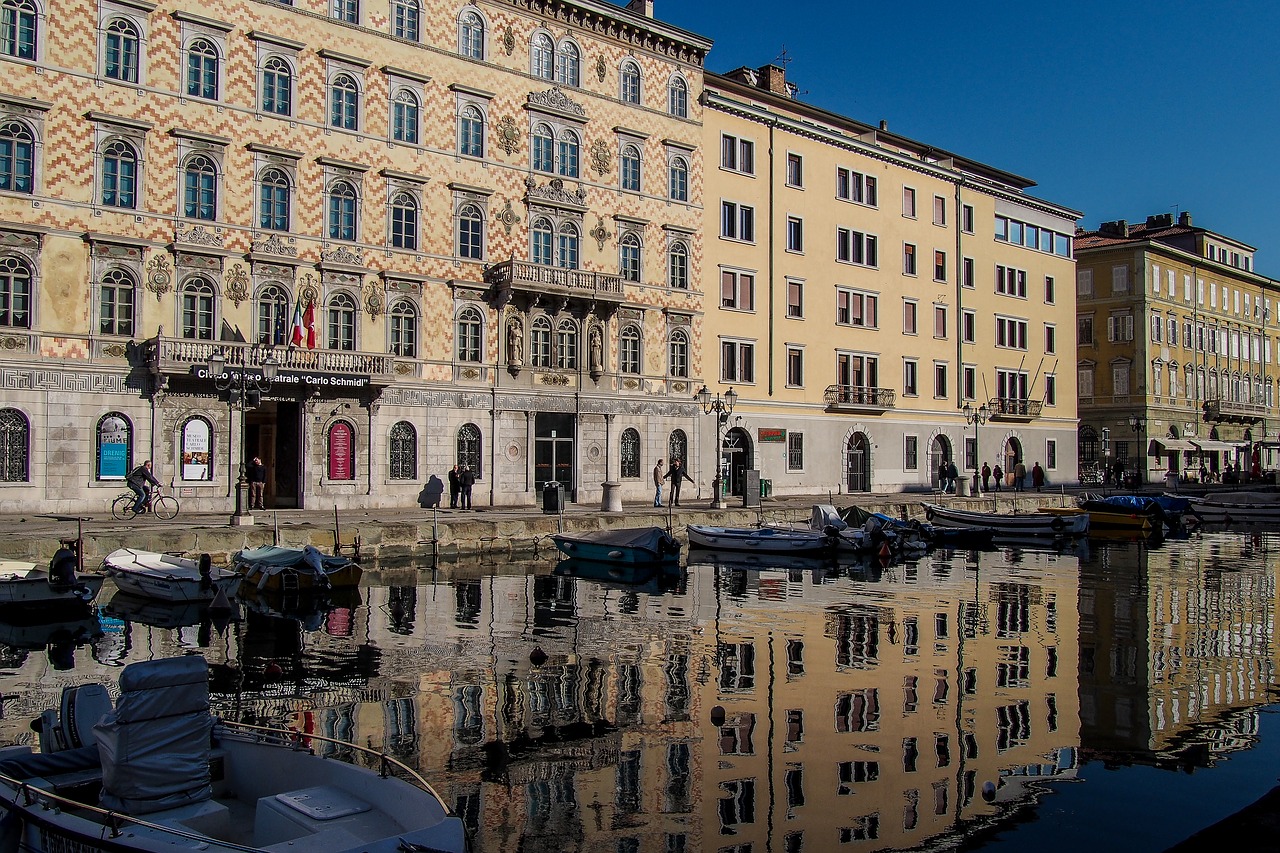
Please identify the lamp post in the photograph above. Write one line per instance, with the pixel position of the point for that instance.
(722, 407)
(1138, 423)
(245, 384)
(1106, 456)
(977, 417)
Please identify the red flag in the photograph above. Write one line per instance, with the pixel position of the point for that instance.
(309, 321)
(295, 334)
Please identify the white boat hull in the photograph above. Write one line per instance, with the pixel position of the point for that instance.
(164, 577)
(1224, 512)
(1034, 524)
(760, 540)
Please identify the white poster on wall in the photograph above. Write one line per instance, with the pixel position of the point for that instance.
(195, 450)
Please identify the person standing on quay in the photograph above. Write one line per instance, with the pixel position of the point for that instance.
(657, 484)
(257, 476)
(997, 476)
(1037, 476)
(455, 487)
(1019, 477)
(675, 474)
(953, 476)
(466, 479)
(986, 477)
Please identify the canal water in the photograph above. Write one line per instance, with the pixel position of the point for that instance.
(1113, 694)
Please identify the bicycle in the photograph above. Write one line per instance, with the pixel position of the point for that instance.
(164, 507)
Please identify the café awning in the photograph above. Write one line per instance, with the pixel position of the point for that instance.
(1160, 446)
(1210, 445)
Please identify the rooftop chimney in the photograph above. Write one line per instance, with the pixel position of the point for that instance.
(1184, 218)
(1160, 220)
(641, 7)
(884, 125)
(1119, 228)
(773, 79)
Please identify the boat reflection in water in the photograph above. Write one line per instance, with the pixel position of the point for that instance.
(783, 707)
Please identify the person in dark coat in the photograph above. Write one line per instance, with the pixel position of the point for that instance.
(953, 476)
(997, 476)
(986, 476)
(455, 486)
(256, 474)
(675, 474)
(942, 477)
(466, 479)
(1037, 476)
(141, 480)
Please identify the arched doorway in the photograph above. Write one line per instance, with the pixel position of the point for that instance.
(1012, 456)
(939, 452)
(739, 456)
(857, 464)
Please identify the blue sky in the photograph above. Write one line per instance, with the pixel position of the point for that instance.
(1118, 110)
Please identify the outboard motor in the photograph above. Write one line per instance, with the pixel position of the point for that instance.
(62, 568)
(206, 572)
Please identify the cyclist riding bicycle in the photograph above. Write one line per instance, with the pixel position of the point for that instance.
(141, 481)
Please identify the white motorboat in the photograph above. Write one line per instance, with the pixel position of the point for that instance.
(1034, 524)
(782, 540)
(878, 534)
(1237, 507)
(157, 772)
(23, 584)
(169, 577)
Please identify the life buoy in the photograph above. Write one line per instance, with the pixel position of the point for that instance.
(928, 514)
(1057, 523)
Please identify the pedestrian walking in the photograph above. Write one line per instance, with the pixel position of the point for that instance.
(953, 476)
(1019, 477)
(455, 486)
(657, 484)
(986, 477)
(1037, 476)
(675, 474)
(256, 473)
(466, 479)
(997, 476)
(942, 476)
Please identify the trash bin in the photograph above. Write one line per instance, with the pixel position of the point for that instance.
(553, 497)
(766, 488)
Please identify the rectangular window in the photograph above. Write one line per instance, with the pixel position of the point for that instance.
(908, 259)
(1011, 333)
(1051, 453)
(854, 247)
(737, 155)
(1084, 330)
(795, 234)
(1002, 229)
(795, 298)
(909, 322)
(1119, 279)
(737, 290)
(939, 210)
(795, 367)
(939, 321)
(969, 378)
(968, 326)
(970, 278)
(1048, 290)
(795, 171)
(1050, 391)
(939, 381)
(939, 266)
(909, 202)
(911, 452)
(1050, 339)
(1120, 328)
(1011, 282)
(795, 451)
(854, 308)
(737, 361)
(855, 186)
(910, 378)
(737, 221)
(966, 218)
(1084, 283)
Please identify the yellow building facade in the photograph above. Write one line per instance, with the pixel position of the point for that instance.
(863, 288)
(1177, 341)
(456, 232)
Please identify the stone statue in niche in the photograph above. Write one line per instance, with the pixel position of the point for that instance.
(596, 346)
(515, 344)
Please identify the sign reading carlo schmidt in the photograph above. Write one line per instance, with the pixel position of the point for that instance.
(295, 379)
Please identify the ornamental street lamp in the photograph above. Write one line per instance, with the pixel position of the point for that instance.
(977, 417)
(1138, 423)
(245, 384)
(722, 407)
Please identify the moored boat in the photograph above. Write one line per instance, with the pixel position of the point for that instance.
(169, 577)
(1237, 507)
(139, 777)
(276, 569)
(875, 533)
(1035, 524)
(783, 540)
(620, 545)
(22, 584)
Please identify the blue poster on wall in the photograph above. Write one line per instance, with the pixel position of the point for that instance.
(113, 461)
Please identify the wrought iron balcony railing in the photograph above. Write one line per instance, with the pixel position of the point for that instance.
(858, 398)
(1014, 409)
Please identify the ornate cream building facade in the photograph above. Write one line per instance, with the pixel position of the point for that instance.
(485, 215)
(863, 288)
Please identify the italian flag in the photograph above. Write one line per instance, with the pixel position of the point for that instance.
(297, 332)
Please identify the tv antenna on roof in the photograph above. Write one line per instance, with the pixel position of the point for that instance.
(784, 58)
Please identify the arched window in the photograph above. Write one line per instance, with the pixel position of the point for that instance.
(1087, 444)
(344, 102)
(542, 157)
(404, 221)
(115, 303)
(678, 447)
(629, 83)
(629, 168)
(629, 257)
(542, 56)
(15, 293)
(197, 309)
(469, 455)
(629, 350)
(404, 329)
(342, 451)
(541, 244)
(629, 452)
(277, 87)
(678, 266)
(273, 315)
(114, 455)
(15, 441)
(471, 35)
(567, 345)
(402, 451)
(471, 132)
(197, 449)
(17, 158)
(341, 315)
(679, 179)
(678, 97)
(470, 232)
(18, 29)
(122, 51)
(540, 343)
(119, 175)
(202, 69)
(567, 154)
(678, 356)
(569, 239)
(405, 19)
(405, 117)
(469, 327)
(568, 63)
(200, 188)
(343, 209)
(273, 200)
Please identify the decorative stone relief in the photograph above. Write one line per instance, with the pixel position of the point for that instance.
(237, 287)
(555, 99)
(198, 235)
(507, 216)
(555, 192)
(508, 134)
(601, 68)
(274, 245)
(159, 276)
(307, 287)
(342, 255)
(600, 233)
(508, 40)
(373, 301)
(601, 157)
(554, 379)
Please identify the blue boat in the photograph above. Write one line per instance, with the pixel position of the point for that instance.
(623, 545)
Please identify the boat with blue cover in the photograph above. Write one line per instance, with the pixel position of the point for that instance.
(620, 545)
(277, 569)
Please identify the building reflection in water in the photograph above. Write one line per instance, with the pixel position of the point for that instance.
(738, 709)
